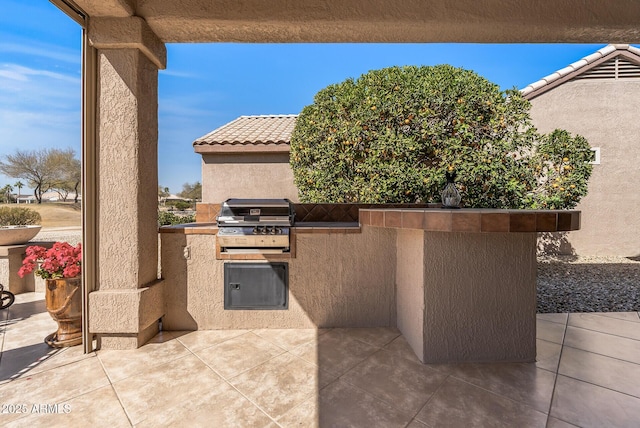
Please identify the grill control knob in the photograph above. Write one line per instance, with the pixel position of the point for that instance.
(255, 230)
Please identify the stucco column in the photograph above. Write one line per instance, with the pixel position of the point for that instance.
(128, 302)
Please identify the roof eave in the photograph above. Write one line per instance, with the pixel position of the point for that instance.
(241, 149)
(556, 79)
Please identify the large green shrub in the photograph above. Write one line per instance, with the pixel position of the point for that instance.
(390, 136)
(166, 218)
(182, 205)
(18, 216)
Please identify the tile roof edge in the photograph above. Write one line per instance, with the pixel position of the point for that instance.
(577, 66)
(202, 140)
(238, 142)
(266, 116)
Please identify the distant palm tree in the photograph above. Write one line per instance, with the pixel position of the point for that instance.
(163, 192)
(19, 184)
(6, 190)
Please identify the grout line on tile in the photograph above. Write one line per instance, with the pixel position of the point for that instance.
(364, 391)
(608, 315)
(274, 343)
(249, 399)
(382, 399)
(560, 419)
(291, 409)
(604, 355)
(243, 371)
(553, 313)
(415, 417)
(558, 364)
(215, 344)
(630, 323)
(115, 391)
(548, 341)
(358, 364)
(555, 380)
(601, 386)
(376, 346)
(607, 333)
(547, 370)
(505, 396)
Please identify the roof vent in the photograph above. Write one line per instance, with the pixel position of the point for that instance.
(615, 68)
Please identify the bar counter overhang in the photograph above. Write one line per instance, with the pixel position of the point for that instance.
(459, 284)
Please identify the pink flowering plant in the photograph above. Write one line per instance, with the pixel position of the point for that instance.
(60, 261)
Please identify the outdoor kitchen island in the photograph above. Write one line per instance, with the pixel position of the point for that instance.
(459, 284)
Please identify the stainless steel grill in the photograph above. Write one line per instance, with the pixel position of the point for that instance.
(255, 225)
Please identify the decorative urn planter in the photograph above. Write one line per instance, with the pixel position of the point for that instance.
(64, 304)
(60, 267)
(16, 235)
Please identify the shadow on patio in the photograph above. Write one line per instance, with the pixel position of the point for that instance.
(587, 374)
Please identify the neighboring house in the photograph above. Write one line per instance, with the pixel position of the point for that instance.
(598, 97)
(25, 199)
(248, 158)
(50, 196)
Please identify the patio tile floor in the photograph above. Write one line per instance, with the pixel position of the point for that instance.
(587, 374)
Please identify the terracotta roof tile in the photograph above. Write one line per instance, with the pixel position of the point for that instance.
(250, 133)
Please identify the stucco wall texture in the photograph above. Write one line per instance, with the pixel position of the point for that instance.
(607, 114)
(251, 175)
(494, 21)
(482, 306)
(335, 280)
(467, 296)
(410, 274)
(127, 144)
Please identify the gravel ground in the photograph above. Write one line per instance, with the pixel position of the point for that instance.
(565, 283)
(588, 284)
(72, 235)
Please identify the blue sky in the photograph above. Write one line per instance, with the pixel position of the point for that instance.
(208, 85)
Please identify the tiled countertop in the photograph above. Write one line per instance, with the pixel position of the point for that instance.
(191, 229)
(429, 219)
(306, 227)
(473, 220)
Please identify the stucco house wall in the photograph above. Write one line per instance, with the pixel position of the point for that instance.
(248, 175)
(606, 111)
(248, 158)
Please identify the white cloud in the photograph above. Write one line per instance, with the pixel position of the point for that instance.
(13, 75)
(23, 74)
(175, 73)
(31, 48)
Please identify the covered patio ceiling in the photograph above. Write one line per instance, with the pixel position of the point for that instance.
(482, 21)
